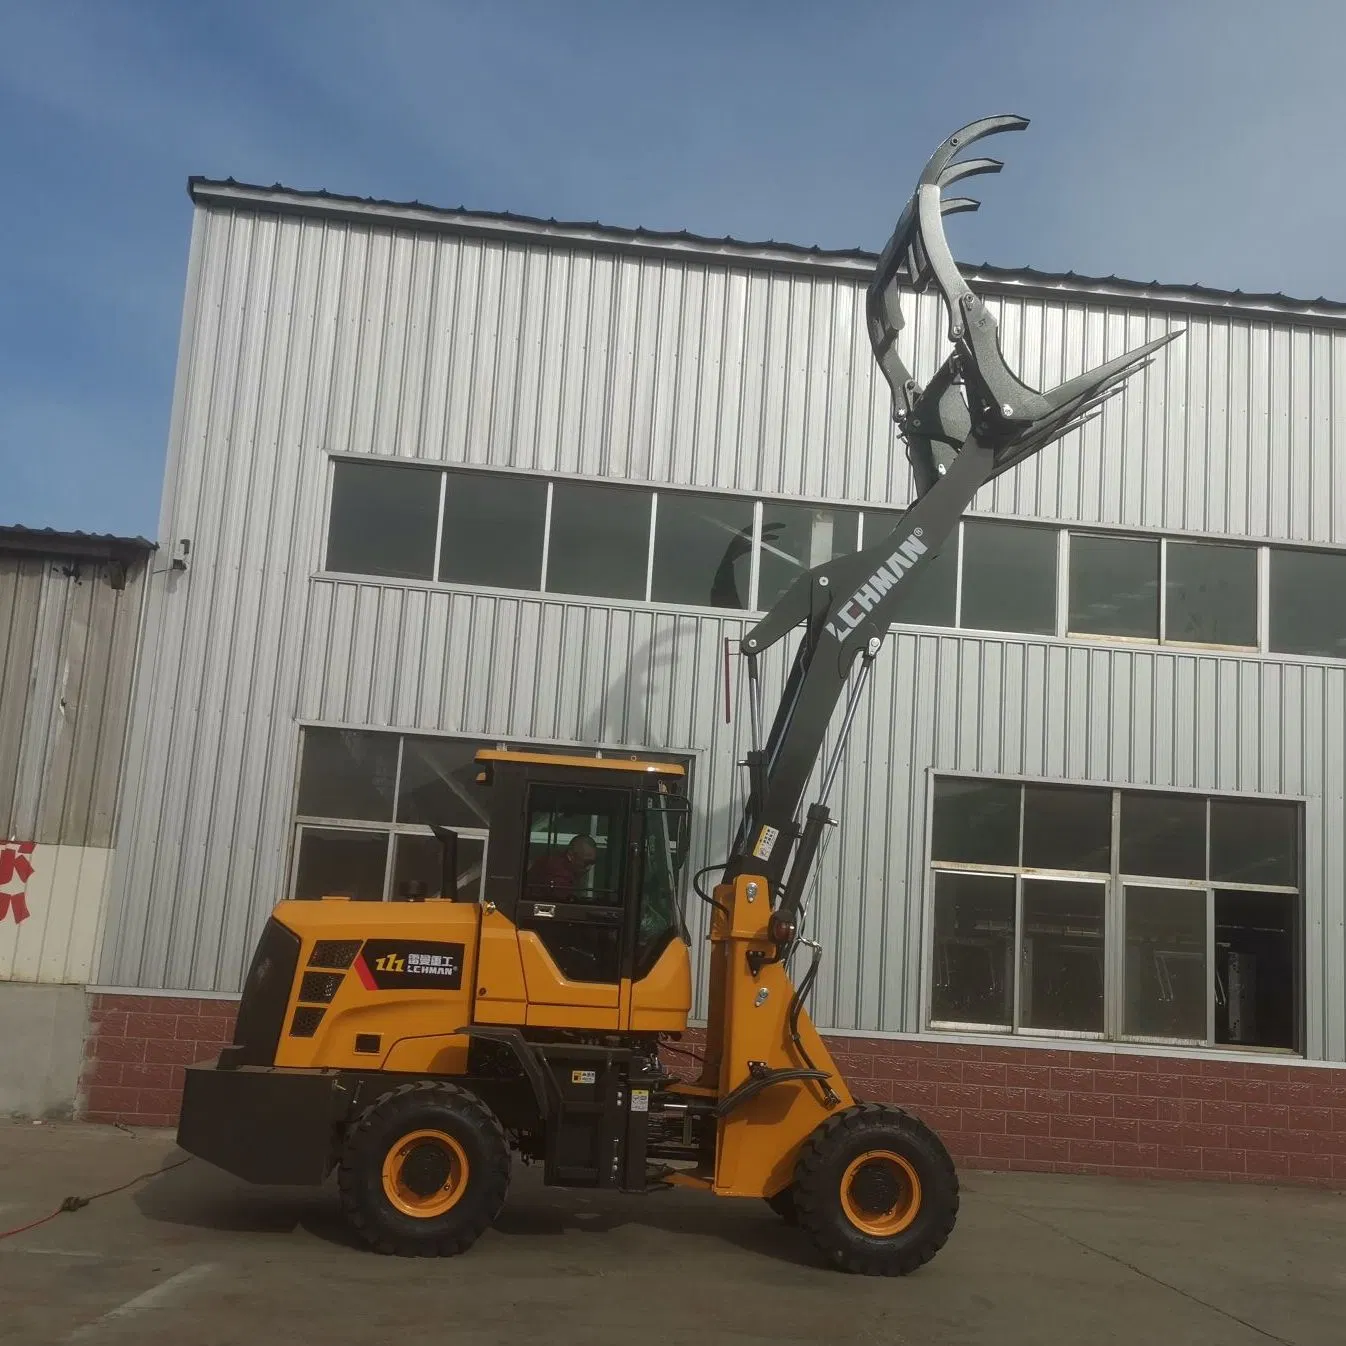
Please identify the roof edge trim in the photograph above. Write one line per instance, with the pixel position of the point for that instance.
(231, 194)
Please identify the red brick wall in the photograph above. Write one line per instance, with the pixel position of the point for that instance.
(137, 1050)
(1114, 1113)
(995, 1107)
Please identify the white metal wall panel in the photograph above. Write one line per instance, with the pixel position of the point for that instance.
(67, 657)
(304, 337)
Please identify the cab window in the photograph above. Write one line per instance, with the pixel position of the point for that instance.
(576, 845)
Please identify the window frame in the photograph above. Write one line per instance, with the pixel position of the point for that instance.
(1114, 884)
(1263, 550)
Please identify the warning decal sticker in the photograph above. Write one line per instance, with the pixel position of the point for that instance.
(766, 843)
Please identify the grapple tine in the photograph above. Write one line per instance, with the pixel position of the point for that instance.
(1115, 369)
(966, 168)
(958, 205)
(961, 139)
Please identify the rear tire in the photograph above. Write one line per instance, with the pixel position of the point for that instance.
(876, 1191)
(424, 1171)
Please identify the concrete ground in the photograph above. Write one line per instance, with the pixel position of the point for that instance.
(193, 1258)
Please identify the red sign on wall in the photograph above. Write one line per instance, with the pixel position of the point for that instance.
(15, 871)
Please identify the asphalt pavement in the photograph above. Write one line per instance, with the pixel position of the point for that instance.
(193, 1258)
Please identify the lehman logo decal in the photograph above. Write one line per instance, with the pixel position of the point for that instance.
(863, 600)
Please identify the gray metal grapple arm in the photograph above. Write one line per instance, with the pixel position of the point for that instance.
(974, 420)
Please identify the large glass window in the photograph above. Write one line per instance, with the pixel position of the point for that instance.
(797, 537)
(600, 540)
(439, 783)
(1308, 602)
(1009, 577)
(1254, 841)
(1066, 827)
(348, 773)
(1061, 980)
(702, 551)
(973, 975)
(421, 865)
(341, 862)
(1163, 834)
(976, 821)
(1256, 935)
(371, 807)
(1114, 586)
(1201, 895)
(1166, 945)
(383, 519)
(493, 530)
(1210, 593)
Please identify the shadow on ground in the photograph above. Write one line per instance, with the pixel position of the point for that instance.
(200, 1197)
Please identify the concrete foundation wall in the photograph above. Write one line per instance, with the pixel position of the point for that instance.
(41, 1048)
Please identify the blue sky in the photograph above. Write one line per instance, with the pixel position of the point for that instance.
(1187, 141)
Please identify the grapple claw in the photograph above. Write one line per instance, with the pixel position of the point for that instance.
(974, 395)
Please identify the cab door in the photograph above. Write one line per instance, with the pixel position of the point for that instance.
(572, 914)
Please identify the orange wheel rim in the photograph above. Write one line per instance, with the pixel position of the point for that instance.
(425, 1174)
(880, 1193)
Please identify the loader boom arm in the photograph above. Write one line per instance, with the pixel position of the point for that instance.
(974, 420)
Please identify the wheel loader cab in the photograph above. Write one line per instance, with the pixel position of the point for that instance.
(582, 923)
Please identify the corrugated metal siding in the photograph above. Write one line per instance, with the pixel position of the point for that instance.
(497, 354)
(309, 337)
(67, 658)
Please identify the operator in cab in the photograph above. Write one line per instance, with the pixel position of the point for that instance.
(563, 872)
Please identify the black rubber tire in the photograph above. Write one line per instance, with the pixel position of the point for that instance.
(819, 1170)
(783, 1203)
(424, 1104)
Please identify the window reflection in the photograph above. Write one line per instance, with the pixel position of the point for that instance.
(796, 538)
(702, 551)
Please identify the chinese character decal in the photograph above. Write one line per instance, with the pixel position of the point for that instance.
(15, 871)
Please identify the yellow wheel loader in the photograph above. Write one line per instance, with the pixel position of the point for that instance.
(415, 1048)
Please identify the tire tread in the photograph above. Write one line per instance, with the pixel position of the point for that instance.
(828, 1230)
(488, 1205)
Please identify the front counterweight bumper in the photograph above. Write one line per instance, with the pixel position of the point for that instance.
(262, 1124)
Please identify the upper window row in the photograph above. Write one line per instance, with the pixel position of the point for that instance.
(679, 547)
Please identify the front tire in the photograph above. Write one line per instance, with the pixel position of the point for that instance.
(875, 1191)
(424, 1171)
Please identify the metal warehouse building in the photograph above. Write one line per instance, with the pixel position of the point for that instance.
(438, 480)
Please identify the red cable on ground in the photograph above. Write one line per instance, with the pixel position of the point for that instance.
(24, 1228)
(79, 1202)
